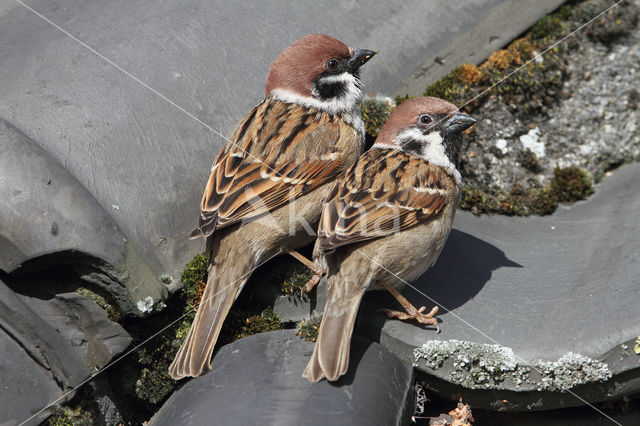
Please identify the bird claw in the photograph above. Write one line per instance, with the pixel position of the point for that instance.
(315, 279)
(415, 314)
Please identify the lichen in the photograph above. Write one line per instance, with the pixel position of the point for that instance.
(308, 329)
(481, 366)
(571, 370)
(145, 305)
(475, 366)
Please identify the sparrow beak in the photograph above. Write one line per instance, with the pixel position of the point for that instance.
(459, 122)
(359, 58)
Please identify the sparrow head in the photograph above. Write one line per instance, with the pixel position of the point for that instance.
(427, 127)
(318, 71)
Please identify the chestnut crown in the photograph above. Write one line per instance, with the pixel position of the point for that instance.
(320, 70)
(429, 128)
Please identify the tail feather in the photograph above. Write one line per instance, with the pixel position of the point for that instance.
(223, 287)
(330, 358)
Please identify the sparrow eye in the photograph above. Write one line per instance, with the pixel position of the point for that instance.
(332, 64)
(425, 119)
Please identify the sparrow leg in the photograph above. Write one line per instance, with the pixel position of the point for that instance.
(411, 311)
(317, 272)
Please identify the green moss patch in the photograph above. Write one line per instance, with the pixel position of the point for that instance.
(568, 185)
(571, 184)
(65, 416)
(308, 329)
(112, 312)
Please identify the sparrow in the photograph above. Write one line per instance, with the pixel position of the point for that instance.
(268, 184)
(386, 222)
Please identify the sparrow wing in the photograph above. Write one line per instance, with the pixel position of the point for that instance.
(279, 152)
(385, 192)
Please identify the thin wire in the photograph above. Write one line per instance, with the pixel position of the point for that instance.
(111, 364)
(478, 330)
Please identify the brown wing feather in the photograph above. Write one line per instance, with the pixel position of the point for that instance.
(278, 152)
(366, 204)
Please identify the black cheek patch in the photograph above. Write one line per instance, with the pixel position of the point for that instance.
(331, 90)
(412, 146)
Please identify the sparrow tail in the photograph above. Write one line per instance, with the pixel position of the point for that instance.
(330, 358)
(223, 286)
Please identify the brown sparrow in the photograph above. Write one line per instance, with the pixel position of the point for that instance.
(390, 214)
(269, 183)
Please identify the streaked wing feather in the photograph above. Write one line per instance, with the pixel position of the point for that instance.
(386, 192)
(268, 163)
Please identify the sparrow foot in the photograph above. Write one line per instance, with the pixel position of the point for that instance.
(415, 314)
(410, 311)
(317, 272)
(315, 279)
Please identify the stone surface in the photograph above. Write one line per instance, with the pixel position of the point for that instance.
(541, 286)
(144, 160)
(48, 219)
(589, 120)
(292, 307)
(49, 346)
(258, 380)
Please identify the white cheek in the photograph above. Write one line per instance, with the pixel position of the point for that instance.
(343, 104)
(432, 150)
(345, 78)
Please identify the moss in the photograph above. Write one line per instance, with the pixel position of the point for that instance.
(529, 161)
(287, 275)
(571, 184)
(112, 312)
(550, 26)
(375, 112)
(513, 203)
(308, 329)
(503, 59)
(544, 200)
(255, 324)
(68, 417)
(400, 99)
(154, 384)
(451, 87)
(471, 74)
(292, 285)
(611, 26)
(519, 201)
(526, 91)
(194, 277)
